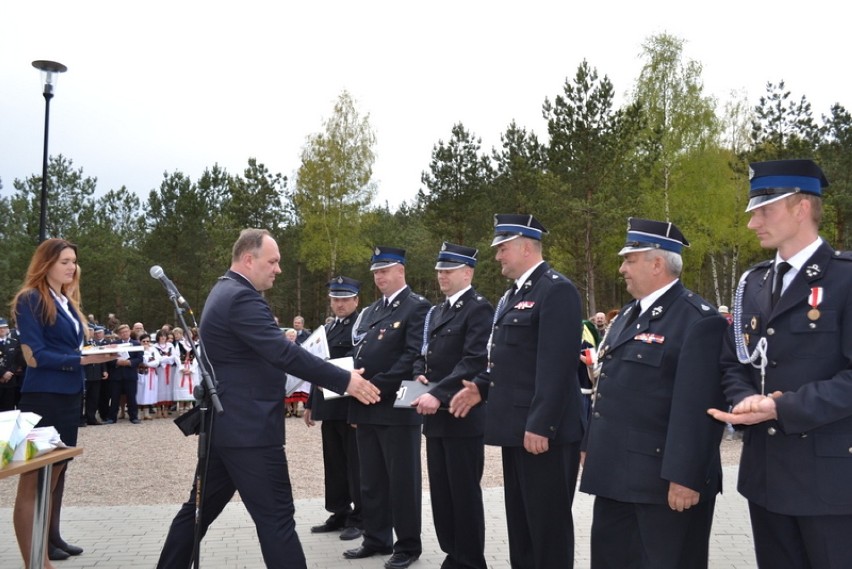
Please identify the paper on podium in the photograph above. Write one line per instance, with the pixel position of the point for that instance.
(345, 363)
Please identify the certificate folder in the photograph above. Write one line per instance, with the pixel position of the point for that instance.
(409, 391)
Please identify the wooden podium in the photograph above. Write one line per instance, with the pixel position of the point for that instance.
(44, 465)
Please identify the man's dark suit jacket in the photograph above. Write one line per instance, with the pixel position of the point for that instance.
(457, 350)
(649, 424)
(249, 357)
(392, 340)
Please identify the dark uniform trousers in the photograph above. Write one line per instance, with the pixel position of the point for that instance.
(341, 467)
(532, 387)
(456, 350)
(389, 438)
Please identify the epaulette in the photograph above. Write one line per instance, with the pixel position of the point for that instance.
(844, 255)
(703, 307)
(421, 298)
(553, 275)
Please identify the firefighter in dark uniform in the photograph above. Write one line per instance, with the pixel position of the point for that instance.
(96, 375)
(787, 368)
(455, 348)
(339, 447)
(389, 335)
(10, 368)
(535, 409)
(652, 453)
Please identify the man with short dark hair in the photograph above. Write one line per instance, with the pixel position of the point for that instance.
(123, 378)
(250, 359)
(652, 456)
(788, 375)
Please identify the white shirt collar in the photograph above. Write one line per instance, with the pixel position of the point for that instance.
(519, 282)
(646, 302)
(453, 299)
(390, 297)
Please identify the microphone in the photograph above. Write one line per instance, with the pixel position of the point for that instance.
(158, 273)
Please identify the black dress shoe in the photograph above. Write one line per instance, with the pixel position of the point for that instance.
(56, 554)
(70, 549)
(364, 551)
(329, 525)
(351, 533)
(401, 560)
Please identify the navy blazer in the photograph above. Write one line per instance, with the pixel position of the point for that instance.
(649, 424)
(456, 350)
(52, 351)
(128, 372)
(801, 464)
(532, 381)
(250, 358)
(391, 341)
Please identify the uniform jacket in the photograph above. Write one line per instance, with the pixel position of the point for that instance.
(800, 464)
(10, 357)
(391, 342)
(95, 372)
(456, 350)
(52, 350)
(339, 346)
(532, 381)
(649, 424)
(249, 358)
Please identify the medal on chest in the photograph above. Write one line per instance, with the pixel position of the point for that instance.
(814, 300)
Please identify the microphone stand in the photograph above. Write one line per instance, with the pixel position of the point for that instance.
(206, 395)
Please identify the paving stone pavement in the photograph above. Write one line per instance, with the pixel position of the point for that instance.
(130, 537)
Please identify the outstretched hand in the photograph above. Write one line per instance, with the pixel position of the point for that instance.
(750, 411)
(361, 389)
(463, 401)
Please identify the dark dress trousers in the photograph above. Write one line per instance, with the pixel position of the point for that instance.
(456, 350)
(94, 374)
(339, 445)
(249, 358)
(796, 471)
(389, 438)
(532, 386)
(123, 379)
(649, 427)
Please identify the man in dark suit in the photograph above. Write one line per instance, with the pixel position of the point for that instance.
(302, 333)
(456, 336)
(250, 358)
(534, 410)
(339, 446)
(390, 334)
(123, 379)
(652, 456)
(793, 320)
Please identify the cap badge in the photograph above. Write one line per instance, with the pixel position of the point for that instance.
(377, 251)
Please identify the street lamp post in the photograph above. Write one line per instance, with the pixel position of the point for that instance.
(49, 71)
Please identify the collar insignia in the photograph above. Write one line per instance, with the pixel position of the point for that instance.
(656, 311)
(812, 270)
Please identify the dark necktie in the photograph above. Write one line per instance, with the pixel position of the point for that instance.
(778, 285)
(634, 313)
(385, 303)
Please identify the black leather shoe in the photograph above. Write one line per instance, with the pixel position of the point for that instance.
(401, 560)
(364, 551)
(70, 549)
(351, 533)
(328, 526)
(56, 554)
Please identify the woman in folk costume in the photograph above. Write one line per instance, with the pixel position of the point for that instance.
(148, 386)
(187, 373)
(166, 373)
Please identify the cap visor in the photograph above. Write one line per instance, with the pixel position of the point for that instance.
(626, 250)
(382, 265)
(446, 266)
(503, 239)
(341, 294)
(761, 201)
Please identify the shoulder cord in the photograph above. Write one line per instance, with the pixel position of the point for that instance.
(426, 331)
(757, 358)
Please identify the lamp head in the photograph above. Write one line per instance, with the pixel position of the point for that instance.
(49, 72)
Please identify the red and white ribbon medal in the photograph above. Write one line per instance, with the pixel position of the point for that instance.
(814, 300)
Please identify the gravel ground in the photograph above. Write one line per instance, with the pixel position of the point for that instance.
(153, 463)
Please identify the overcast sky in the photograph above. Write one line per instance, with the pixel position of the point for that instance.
(179, 85)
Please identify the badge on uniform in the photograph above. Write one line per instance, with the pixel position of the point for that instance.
(524, 304)
(650, 338)
(656, 311)
(814, 300)
(381, 333)
(396, 324)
